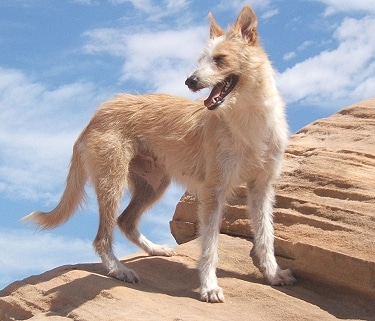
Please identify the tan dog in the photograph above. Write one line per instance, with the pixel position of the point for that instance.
(238, 134)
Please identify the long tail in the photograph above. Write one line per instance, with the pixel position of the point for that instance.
(73, 196)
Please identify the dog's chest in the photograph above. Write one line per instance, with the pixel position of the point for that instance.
(244, 153)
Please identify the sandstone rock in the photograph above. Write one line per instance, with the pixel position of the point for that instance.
(184, 226)
(325, 209)
(169, 291)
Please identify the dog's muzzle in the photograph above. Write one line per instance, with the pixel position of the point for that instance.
(192, 83)
(218, 92)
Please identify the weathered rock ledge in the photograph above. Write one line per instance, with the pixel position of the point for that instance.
(169, 291)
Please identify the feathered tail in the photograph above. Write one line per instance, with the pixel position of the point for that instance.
(73, 196)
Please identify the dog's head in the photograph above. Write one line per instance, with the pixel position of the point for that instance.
(224, 58)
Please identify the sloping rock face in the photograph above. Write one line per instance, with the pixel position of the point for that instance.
(325, 206)
(168, 291)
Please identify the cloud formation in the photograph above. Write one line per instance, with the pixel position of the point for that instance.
(335, 6)
(160, 60)
(24, 252)
(39, 126)
(334, 75)
(156, 9)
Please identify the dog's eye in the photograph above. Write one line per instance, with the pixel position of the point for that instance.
(219, 59)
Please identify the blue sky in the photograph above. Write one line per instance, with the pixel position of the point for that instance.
(60, 59)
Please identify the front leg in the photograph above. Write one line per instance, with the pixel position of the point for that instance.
(210, 213)
(260, 202)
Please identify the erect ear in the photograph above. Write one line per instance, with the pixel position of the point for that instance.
(246, 24)
(215, 30)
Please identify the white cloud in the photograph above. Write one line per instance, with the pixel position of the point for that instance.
(347, 72)
(39, 126)
(305, 44)
(175, 5)
(289, 55)
(269, 14)
(334, 6)
(24, 253)
(155, 10)
(159, 59)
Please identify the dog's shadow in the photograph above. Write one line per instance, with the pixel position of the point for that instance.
(165, 276)
(157, 274)
(81, 283)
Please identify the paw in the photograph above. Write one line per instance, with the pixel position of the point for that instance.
(124, 274)
(212, 296)
(283, 277)
(161, 250)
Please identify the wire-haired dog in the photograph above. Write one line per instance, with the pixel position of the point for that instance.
(238, 134)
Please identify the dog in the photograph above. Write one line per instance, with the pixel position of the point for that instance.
(140, 143)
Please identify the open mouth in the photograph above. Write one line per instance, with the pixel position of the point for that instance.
(220, 91)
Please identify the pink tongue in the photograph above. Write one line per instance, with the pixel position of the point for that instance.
(215, 92)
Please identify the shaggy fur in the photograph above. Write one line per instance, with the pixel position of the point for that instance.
(238, 134)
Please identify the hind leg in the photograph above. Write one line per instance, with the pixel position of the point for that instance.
(103, 245)
(108, 165)
(144, 195)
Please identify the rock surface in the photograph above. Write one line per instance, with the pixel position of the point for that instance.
(168, 291)
(325, 205)
(324, 223)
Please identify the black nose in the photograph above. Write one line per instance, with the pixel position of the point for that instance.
(192, 82)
